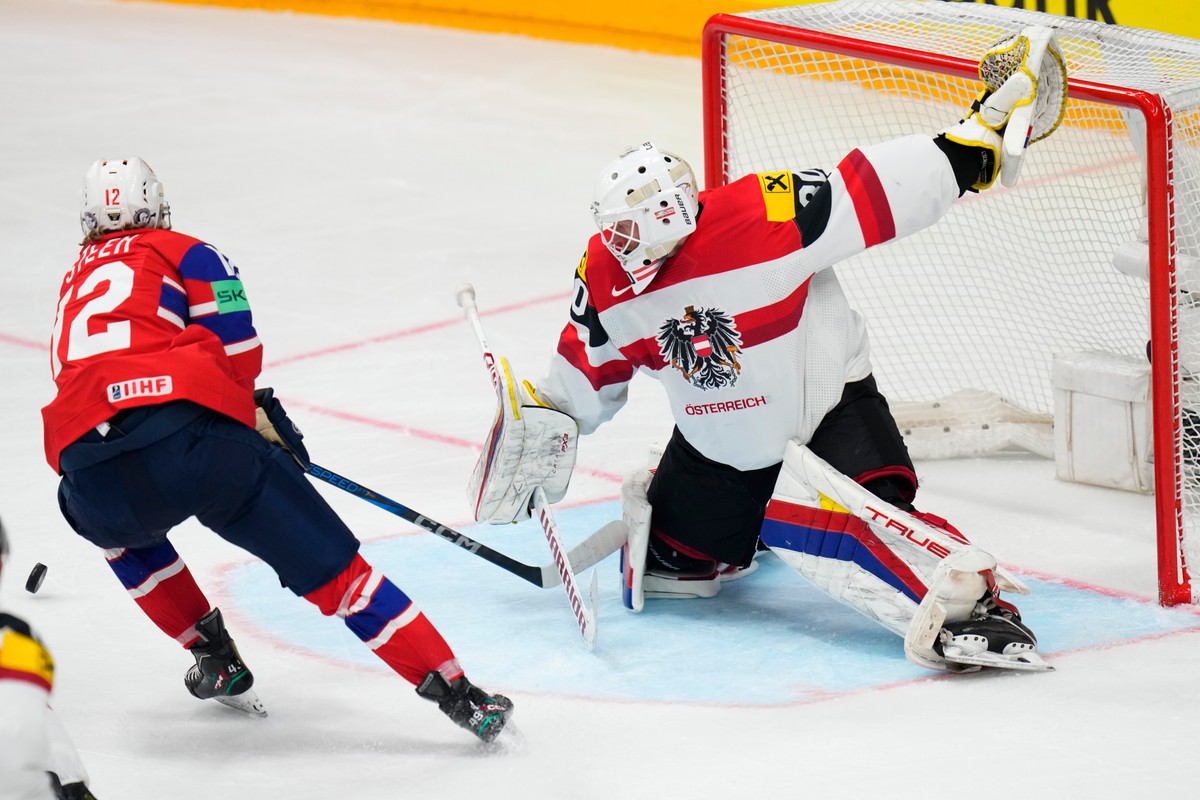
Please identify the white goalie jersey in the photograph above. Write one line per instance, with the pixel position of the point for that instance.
(745, 325)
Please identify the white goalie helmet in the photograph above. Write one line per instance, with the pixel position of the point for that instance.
(644, 205)
(121, 194)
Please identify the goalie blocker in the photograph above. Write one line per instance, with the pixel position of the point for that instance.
(530, 444)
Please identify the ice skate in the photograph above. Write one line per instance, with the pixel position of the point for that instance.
(467, 706)
(219, 673)
(994, 637)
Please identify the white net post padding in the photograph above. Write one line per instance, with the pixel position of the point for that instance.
(1104, 251)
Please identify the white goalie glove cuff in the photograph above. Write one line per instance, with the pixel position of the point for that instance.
(530, 445)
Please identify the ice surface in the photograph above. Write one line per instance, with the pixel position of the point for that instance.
(357, 172)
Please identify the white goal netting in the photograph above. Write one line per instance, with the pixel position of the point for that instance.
(1096, 250)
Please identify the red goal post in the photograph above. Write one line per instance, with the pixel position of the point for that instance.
(964, 339)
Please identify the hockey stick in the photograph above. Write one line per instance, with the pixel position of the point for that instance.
(585, 613)
(592, 550)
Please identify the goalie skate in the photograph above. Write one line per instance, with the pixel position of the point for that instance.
(996, 640)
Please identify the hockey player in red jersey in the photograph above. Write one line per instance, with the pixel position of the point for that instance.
(157, 419)
(782, 438)
(38, 760)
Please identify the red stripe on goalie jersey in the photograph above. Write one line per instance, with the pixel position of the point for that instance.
(870, 201)
(736, 234)
(139, 312)
(575, 351)
(756, 327)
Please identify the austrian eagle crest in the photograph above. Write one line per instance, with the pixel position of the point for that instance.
(703, 345)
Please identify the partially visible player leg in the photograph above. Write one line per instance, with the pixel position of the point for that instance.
(163, 587)
(389, 623)
(127, 502)
(161, 584)
(282, 519)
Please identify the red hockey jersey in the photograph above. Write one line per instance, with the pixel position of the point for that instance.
(148, 316)
(745, 325)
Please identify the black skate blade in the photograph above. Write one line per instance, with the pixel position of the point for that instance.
(247, 702)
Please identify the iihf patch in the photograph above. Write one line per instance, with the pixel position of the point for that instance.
(139, 387)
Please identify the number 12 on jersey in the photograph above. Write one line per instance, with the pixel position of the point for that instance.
(110, 285)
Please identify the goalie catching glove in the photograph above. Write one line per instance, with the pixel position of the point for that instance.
(530, 444)
(1025, 100)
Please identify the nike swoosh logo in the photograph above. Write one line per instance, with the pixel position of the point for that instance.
(619, 292)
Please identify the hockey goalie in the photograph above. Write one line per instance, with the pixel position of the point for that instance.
(782, 439)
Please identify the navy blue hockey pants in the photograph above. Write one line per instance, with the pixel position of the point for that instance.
(161, 465)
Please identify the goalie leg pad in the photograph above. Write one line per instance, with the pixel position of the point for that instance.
(681, 586)
(842, 557)
(637, 582)
(635, 511)
(910, 576)
(958, 583)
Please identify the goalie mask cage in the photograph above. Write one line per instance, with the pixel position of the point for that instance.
(963, 335)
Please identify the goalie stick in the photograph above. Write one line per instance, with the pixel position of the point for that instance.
(591, 551)
(585, 613)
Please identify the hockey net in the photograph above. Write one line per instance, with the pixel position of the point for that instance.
(1092, 252)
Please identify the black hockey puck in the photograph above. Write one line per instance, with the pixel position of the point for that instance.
(36, 576)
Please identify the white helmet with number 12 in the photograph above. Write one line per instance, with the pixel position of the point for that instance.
(645, 205)
(121, 194)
